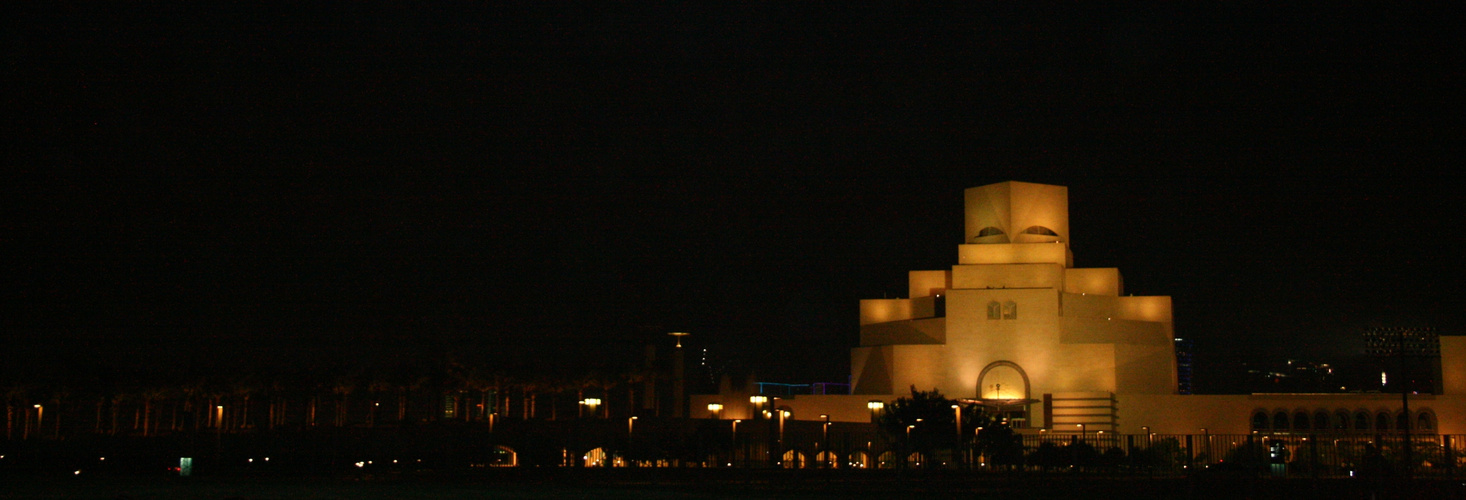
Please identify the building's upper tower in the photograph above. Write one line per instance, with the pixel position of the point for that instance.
(1010, 222)
(1017, 212)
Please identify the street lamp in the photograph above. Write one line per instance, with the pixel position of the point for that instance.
(758, 402)
(715, 410)
(783, 414)
(1081, 431)
(1146, 428)
(1207, 435)
(825, 439)
(630, 425)
(735, 439)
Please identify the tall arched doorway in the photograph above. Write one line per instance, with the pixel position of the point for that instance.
(1003, 387)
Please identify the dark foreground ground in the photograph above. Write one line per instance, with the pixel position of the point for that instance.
(691, 483)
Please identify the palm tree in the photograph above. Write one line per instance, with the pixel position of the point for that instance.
(478, 380)
(242, 389)
(148, 395)
(15, 396)
(190, 392)
(376, 386)
(342, 388)
(275, 395)
(632, 378)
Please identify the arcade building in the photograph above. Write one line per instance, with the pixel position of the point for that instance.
(1014, 326)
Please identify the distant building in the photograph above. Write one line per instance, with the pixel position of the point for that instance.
(1016, 327)
(1185, 349)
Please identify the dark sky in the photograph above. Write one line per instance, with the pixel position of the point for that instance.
(545, 184)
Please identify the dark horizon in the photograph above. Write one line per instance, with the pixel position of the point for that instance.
(540, 186)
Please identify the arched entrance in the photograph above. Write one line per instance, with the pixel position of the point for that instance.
(503, 456)
(1003, 387)
(793, 460)
(596, 458)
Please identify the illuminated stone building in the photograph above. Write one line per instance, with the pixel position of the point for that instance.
(1015, 326)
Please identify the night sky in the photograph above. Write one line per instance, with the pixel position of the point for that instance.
(544, 185)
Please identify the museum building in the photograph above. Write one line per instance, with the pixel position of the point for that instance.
(1014, 326)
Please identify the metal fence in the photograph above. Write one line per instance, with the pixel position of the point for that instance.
(803, 444)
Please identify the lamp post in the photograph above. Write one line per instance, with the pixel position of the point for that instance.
(1205, 434)
(977, 439)
(40, 418)
(783, 414)
(825, 439)
(1146, 429)
(735, 439)
(1081, 432)
(630, 426)
(758, 401)
(875, 407)
(957, 412)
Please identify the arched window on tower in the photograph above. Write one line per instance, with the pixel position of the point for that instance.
(995, 310)
(1010, 310)
(1040, 230)
(1361, 421)
(1259, 420)
(990, 235)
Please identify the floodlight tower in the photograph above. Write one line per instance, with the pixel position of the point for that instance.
(678, 386)
(1403, 344)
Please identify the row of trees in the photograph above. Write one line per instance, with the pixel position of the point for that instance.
(928, 422)
(146, 404)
